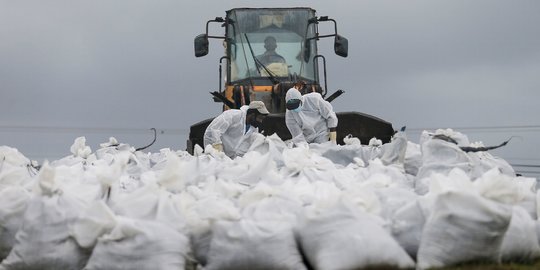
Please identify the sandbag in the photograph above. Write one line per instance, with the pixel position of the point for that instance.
(15, 175)
(342, 239)
(273, 145)
(520, 191)
(392, 199)
(484, 161)
(520, 243)
(407, 225)
(301, 158)
(461, 228)
(95, 221)
(201, 214)
(138, 244)
(394, 151)
(12, 156)
(389, 153)
(346, 154)
(251, 244)
(439, 157)
(149, 203)
(274, 208)
(13, 202)
(413, 158)
(44, 241)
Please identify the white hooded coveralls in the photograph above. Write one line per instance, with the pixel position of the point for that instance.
(311, 124)
(229, 129)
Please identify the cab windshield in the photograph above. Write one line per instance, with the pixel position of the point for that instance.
(265, 43)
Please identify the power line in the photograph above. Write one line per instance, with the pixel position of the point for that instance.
(520, 159)
(63, 129)
(485, 128)
(530, 172)
(525, 165)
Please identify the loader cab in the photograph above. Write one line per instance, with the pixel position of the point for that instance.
(251, 34)
(266, 51)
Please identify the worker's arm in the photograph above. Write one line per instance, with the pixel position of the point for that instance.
(217, 127)
(327, 112)
(294, 128)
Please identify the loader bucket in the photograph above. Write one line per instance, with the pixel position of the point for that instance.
(196, 134)
(363, 126)
(360, 125)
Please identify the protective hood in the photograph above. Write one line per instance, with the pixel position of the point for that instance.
(293, 94)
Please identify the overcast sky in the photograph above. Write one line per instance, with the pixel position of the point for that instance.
(106, 68)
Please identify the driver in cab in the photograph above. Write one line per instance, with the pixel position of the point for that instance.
(270, 56)
(272, 63)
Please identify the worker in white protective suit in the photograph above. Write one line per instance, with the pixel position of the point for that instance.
(232, 131)
(309, 117)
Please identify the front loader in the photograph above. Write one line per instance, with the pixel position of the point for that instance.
(248, 77)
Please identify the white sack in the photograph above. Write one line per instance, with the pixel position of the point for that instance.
(302, 158)
(484, 161)
(200, 217)
(273, 145)
(12, 156)
(407, 225)
(14, 175)
(439, 157)
(150, 203)
(463, 227)
(389, 153)
(13, 202)
(340, 239)
(250, 244)
(138, 244)
(413, 158)
(97, 220)
(44, 241)
(275, 208)
(346, 154)
(497, 186)
(392, 199)
(520, 243)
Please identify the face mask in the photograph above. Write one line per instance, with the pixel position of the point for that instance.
(293, 104)
(256, 123)
(299, 109)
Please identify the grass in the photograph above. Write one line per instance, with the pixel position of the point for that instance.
(509, 266)
(478, 266)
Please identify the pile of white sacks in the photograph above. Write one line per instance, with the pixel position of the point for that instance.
(397, 205)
